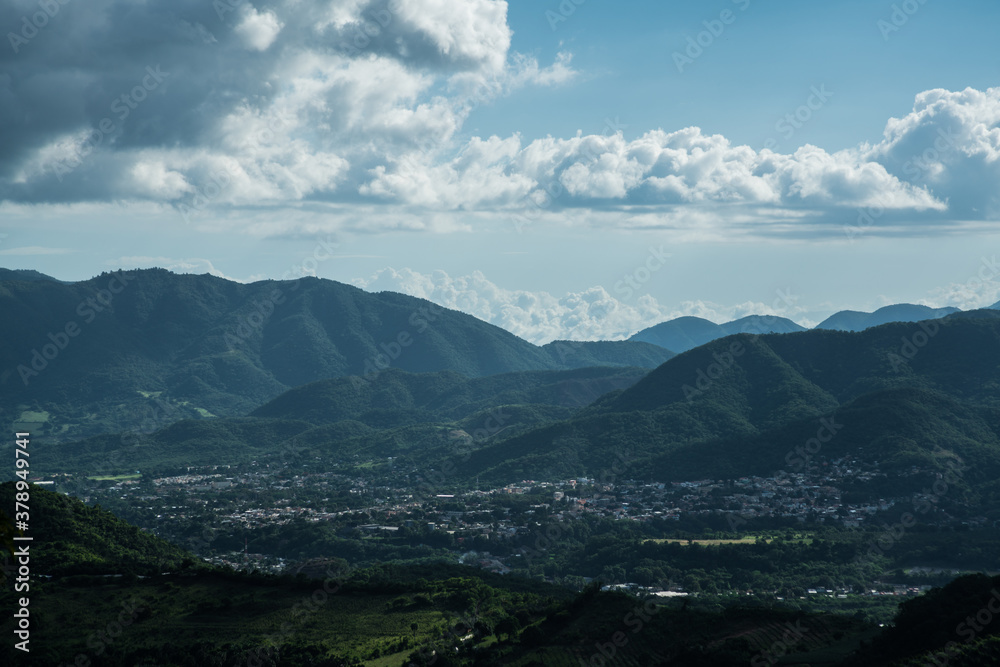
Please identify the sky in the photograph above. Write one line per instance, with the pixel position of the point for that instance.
(561, 168)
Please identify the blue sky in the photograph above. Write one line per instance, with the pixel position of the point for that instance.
(493, 157)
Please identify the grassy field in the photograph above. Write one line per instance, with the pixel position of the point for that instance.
(186, 611)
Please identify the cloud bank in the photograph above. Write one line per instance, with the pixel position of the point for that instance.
(539, 317)
(336, 108)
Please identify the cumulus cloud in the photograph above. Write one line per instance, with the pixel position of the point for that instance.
(258, 30)
(540, 317)
(362, 103)
(196, 104)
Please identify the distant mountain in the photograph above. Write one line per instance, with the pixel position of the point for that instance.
(149, 347)
(852, 320)
(577, 354)
(26, 275)
(681, 334)
(686, 333)
(761, 324)
(906, 394)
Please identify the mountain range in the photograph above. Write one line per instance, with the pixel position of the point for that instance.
(686, 333)
(910, 398)
(154, 346)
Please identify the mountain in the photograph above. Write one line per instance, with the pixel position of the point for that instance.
(145, 348)
(681, 334)
(79, 539)
(907, 394)
(941, 628)
(852, 320)
(577, 354)
(442, 396)
(761, 324)
(391, 414)
(27, 275)
(686, 333)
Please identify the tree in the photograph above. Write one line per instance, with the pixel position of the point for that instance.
(509, 626)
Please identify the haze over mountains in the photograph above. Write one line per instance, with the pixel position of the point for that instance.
(301, 394)
(685, 333)
(906, 397)
(155, 346)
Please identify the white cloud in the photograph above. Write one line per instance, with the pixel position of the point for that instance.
(35, 250)
(362, 105)
(259, 29)
(540, 317)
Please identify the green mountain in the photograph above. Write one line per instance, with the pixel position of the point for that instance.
(25, 275)
(852, 320)
(442, 396)
(680, 334)
(390, 414)
(686, 333)
(143, 349)
(761, 324)
(69, 537)
(904, 393)
(952, 625)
